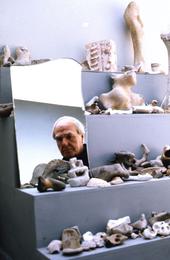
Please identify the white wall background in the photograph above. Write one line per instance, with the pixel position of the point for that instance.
(61, 28)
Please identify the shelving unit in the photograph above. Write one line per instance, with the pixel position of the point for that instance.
(30, 220)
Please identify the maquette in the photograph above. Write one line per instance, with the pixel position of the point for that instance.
(101, 56)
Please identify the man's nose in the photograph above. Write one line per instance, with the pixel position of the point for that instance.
(64, 141)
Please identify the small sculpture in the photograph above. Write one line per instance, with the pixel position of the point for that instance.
(135, 24)
(121, 96)
(101, 56)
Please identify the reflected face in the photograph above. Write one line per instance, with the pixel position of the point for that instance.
(69, 139)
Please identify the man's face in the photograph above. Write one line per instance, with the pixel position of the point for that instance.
(69, 140)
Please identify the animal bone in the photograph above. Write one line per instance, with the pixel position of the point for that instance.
(135, 25)
(161, 216)
(115, 239)
(6, 109)
(149, 233)
(49, 183)
(101, 56)
(23, 56)
(121, 96)
(162, 228)
(107, 172)
(5, 57)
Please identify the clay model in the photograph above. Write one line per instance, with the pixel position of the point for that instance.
(101, 56)
(23, 56)
(135, 25)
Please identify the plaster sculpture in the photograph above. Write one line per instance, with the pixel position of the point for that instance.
(96, 182)
(135, 25)
(101, 56)
(23, 56)
(113, 224)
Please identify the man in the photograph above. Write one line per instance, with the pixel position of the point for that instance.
(69, 134)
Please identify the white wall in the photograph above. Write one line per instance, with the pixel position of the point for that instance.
(55, 28)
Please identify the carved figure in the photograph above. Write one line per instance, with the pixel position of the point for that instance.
(135, 24)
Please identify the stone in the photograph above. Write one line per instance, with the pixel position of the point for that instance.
(116, 180)
(45, 184)
(6, 110)
(54, 246)
(162, 228)
(149, 233)
(23, 56)
(135, 25)
(140, 224)
(71, 241)
(96, 182)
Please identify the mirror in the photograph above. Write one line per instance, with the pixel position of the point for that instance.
(41, 94)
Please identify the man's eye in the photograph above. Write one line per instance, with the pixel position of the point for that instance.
(69, 136)
(59, 139)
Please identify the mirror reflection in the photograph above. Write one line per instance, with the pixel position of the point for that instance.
(41, 94)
